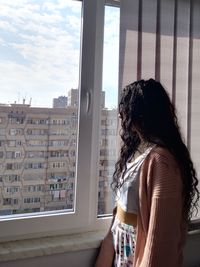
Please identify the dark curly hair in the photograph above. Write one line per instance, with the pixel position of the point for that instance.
(146, 107)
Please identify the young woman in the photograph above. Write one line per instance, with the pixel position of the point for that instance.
(154, 181)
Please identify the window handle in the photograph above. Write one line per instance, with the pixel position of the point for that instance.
(88, 101)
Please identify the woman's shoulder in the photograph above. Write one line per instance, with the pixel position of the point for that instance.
(161, 154)
(162, 169)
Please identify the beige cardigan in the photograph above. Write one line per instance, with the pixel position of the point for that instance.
(161, 230)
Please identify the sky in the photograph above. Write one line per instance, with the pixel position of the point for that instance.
(40, 51)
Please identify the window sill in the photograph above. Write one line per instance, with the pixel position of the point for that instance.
(44, 246)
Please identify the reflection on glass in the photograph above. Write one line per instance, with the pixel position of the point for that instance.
(39, 64)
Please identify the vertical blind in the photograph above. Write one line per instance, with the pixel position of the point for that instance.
(161, 39)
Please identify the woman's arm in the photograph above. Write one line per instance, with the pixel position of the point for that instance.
(163, 245)
(106, 253)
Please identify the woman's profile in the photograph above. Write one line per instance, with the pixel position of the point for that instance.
(155, 183)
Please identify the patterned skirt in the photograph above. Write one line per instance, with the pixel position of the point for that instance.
(124, 236)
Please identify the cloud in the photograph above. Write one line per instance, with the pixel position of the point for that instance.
(48, 45)
(73, 22)
(46, 35)
(73, 5)
(2, 42)
(61, 5)
(37, 82)
(29, 13)
(6, 26)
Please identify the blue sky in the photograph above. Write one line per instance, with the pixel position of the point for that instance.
(39, 50)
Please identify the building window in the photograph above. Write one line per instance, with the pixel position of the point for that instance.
(12, 189)
(1, 120)
(34, 165)
(16, 131)
(7, 201)
(2, 132)
(37, 121)
(31, 200)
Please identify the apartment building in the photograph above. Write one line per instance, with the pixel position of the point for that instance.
(107, 159)
(60, 102)
(38, 148)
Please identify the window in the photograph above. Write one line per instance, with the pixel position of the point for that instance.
(35, 154)
(37, 143)
(37, 121)
(32, 200)
(1, 143)
(17, 154)
(12, 189)
(16, 118)
(58, 164)
(13, 166)
(1, 120)
(40, 56)
(108, 127)
(11, 178)
(11, 143)
(70, 177)
(2, 132)
(35, 165)
(16, 131)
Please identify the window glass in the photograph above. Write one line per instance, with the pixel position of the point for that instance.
(39, 66)
(109, 102)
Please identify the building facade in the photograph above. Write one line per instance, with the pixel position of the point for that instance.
(38, 158)
(60, 102)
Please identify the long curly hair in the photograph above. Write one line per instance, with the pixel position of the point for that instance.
(147, 113)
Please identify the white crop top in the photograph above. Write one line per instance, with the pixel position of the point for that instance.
(128, 194)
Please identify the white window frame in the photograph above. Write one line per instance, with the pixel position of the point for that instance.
(84, 218)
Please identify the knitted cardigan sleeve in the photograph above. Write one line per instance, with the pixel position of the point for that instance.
(161, 213)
